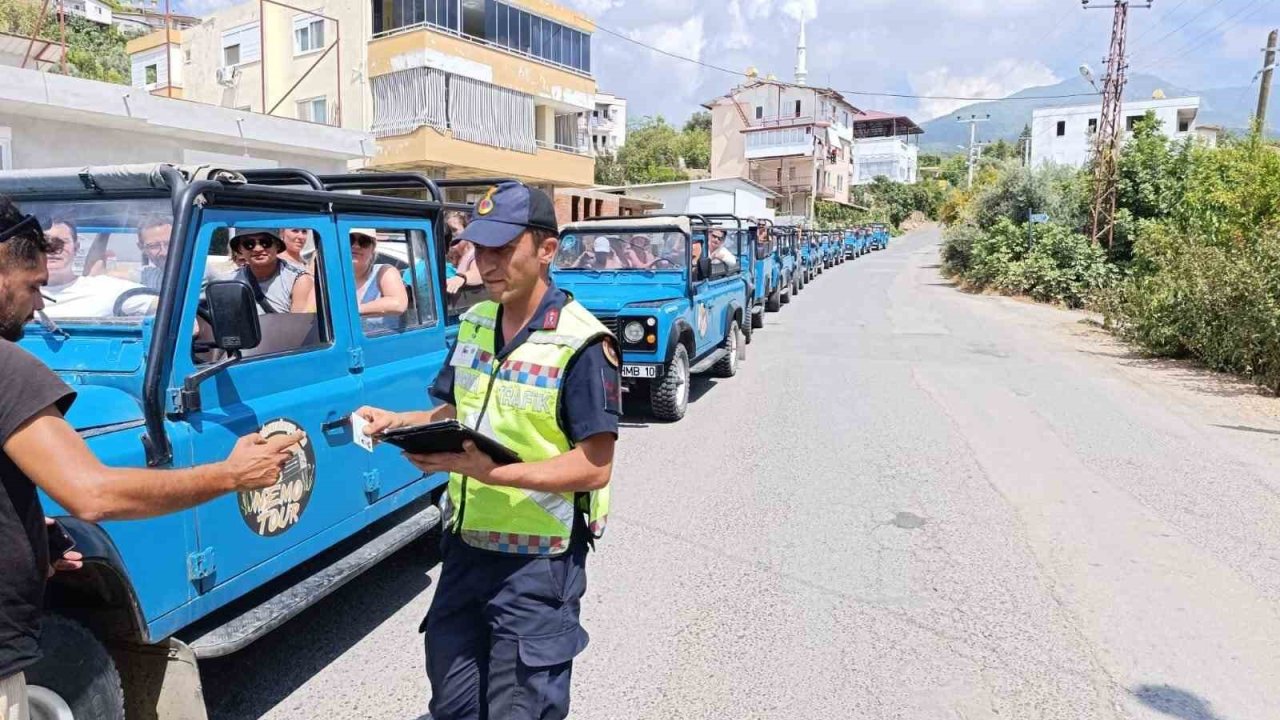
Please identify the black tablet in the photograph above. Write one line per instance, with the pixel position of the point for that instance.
(445, 436)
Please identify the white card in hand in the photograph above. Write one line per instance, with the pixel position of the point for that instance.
(358, 424)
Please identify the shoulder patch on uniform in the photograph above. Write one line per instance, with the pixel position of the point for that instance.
(612, 391)
(551, 320)
(610, 352)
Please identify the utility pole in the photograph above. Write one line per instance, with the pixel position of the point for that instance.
(974, 150)
(1264, 92)
(1107, 139)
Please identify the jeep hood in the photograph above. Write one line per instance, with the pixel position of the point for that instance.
(609, 296)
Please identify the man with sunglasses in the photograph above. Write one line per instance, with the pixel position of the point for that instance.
(280, 287)
(39, 449)
(153, 241)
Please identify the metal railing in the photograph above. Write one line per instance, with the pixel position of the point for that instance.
(479, 41)
(572, 149)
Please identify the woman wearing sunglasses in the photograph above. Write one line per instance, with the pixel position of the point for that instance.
(278, 286)
(380, 290)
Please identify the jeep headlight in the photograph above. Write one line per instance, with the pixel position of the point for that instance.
(633, 332)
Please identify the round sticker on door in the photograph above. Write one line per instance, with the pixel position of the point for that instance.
(274, 509)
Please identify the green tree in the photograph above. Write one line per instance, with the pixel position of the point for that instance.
(94, 51)
(698, 122)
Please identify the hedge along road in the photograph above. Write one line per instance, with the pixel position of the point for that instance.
(912, 502)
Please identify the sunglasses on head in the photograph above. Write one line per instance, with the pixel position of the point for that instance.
(28, 222)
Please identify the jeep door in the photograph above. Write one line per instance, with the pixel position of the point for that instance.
(400, 354)
(303, 375)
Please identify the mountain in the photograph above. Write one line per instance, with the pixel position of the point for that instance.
(1231, 108)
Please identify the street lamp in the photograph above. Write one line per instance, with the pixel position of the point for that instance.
(1087, 73)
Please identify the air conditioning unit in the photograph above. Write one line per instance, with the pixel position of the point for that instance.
(228, 75)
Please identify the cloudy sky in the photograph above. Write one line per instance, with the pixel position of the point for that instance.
(982, 48)
(985, 48)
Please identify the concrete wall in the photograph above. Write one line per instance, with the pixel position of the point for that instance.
(1074, 146)
(728, 148)
(43, 143)
(57, 120)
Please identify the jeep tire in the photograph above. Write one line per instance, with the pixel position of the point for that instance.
(773, 303)
(669, 394)
(788, 292)
(757, 318)
(727, 366)
(76, 677)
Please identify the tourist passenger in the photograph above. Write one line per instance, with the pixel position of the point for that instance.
(153, 241)
(295, 243)
(279, 287)
(79, 296)
(639, 254)
(380, 291)
(721, 253)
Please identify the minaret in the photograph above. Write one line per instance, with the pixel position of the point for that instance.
(802, 71)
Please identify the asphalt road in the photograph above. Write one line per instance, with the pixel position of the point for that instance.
(911, 503)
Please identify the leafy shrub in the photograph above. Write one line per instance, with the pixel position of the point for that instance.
(1056, 264)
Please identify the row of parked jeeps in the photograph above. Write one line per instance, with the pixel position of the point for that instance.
(685, 293)
(177, 386)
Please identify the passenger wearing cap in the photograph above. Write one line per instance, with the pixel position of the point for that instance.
(534, 370)
(279, 287)
(380, 290)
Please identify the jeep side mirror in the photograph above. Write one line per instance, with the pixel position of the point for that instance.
(233, 320)
(233, 313)
(704, 267)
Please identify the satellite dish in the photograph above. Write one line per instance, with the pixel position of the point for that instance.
(752, 72)
(1158, 94)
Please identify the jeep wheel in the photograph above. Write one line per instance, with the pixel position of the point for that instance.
(774, 301)
(669, 395)
(788, 293)
(757, 318)
(727, 367)
(76, 679)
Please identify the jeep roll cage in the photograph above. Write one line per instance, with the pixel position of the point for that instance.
(191, 188)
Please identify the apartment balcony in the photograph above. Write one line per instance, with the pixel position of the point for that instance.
(603, 126)
(440, 153)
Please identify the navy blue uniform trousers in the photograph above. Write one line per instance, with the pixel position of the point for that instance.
(502, 633)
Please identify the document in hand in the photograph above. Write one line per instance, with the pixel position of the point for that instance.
(446, 436)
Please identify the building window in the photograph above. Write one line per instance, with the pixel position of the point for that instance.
(759, 112)
(308, 34)
(314, 110)
(524, 32)
(797, 108)
(1183, 125)
(392, 15)
(1062, 128)
(791, 173)
(152, 74)
(1093, 125)
(241, 45)
(1131, 121)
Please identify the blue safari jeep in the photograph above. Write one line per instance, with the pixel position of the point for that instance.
(172, 376)
(676, 301)
(787, 241)
(879, 236)
(766, 274)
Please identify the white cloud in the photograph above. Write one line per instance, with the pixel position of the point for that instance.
(200, 8)
(794, 9)
(684, 38)
(593, 8)
(999, 80)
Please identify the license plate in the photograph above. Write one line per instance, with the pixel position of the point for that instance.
(639, 371)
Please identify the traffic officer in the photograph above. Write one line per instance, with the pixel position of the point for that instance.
(534, 370)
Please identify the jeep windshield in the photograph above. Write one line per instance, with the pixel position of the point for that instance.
(111, 265)
(622, 251)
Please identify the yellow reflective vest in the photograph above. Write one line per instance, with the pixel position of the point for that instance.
(516, 401)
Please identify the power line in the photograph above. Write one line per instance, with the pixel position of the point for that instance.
(1150, 27)
(1206, 36)
(872, 93)
(1190, 20)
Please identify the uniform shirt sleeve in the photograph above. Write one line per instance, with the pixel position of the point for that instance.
(591, 397)
(442, 387)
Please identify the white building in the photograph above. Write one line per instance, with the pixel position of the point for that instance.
(1064, 135)
(50, 120)
(726, 195)
(91, 10)
(882, 147)
(608, 124)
